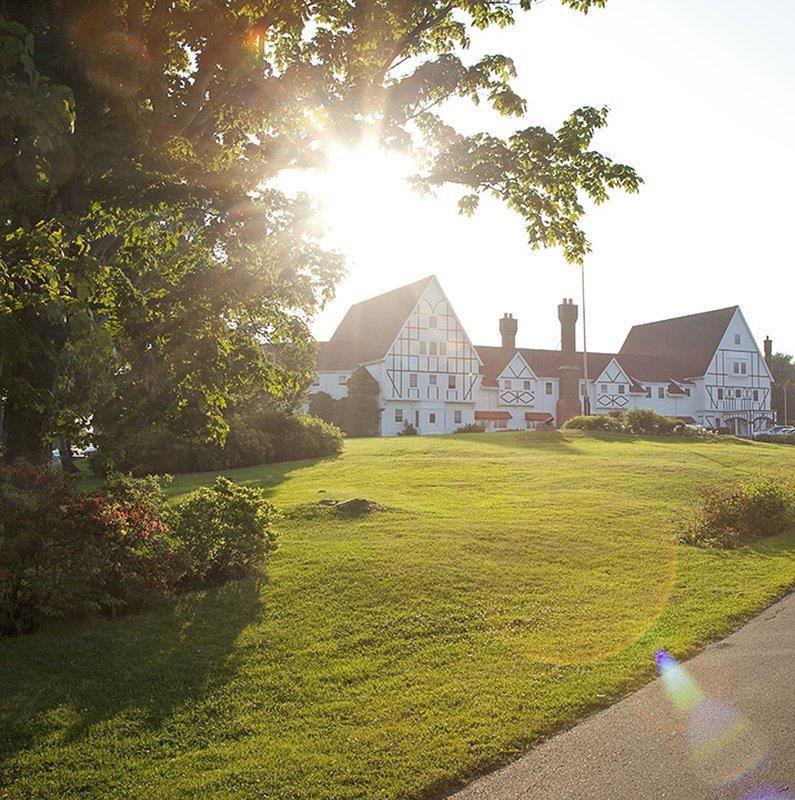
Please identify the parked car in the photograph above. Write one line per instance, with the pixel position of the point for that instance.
(776, 430)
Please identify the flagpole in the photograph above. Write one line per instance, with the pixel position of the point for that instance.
(586, 402)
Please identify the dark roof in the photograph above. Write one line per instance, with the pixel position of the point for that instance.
(369, 328)
(545, 364)
(690, 342)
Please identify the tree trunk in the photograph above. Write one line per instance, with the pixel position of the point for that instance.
(67, 461)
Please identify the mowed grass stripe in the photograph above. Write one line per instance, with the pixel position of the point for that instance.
(515, 583)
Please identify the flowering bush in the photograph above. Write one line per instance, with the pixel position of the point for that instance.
(63, 553)
(225, 531)
(734, 516)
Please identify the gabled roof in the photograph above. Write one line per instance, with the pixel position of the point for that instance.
(544, 363)
(689, 342)
(369, 328)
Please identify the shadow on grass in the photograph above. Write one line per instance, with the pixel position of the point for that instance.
(64, 681)
(555, 441)
(265, 476)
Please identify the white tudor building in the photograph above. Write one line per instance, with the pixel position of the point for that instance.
(704, 368)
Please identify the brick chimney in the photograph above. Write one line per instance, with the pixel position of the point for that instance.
(568, 404)
(508, 327)
(768, 343)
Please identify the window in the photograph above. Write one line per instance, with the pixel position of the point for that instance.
(737, 338)
(743, 367)
(720, 394)
(527, 386)
(451, 381)
(413, 380)
(457, 417)
(432, 379)
(756, 394)
(548, 387)
(417, 419)
(442, 348)
(686, 390)
(432, 321)
(506, 384)
(603, 388)
(621, 388)
(342, 380)
(432, 418)
(648, 391)
(737, 392)
(433, 347)
(423, 348)
(661, 392)
(398, 415)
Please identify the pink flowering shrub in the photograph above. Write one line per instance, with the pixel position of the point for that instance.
(63, 553)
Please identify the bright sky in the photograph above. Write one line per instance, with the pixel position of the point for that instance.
(702, 98)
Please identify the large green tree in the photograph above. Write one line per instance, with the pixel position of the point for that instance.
(139, 144)
(782, 367)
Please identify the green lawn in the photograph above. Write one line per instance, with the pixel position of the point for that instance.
(516, 583)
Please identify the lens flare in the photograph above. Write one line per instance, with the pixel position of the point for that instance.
(724, 747)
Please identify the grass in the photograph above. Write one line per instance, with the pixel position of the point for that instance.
(515, 583)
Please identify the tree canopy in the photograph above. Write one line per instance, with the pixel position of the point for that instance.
(139, 145)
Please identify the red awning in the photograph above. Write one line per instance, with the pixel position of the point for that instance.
(687, 420)
(538, 416)
(492, 415)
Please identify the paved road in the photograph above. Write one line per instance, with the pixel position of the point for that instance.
(740, 727)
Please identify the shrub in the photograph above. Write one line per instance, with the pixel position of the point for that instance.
(731, 517)
(594, 422)
(257, 435)
(408, 430)
(646, 421)
(225, 531)
(63, 553)
(764, 437)
(471, 427)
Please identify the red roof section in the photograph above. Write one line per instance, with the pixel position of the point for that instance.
(369, 328)
(537, 416)
(690, 341)
(492, 415)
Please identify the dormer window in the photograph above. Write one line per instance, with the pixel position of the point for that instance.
(648, 391)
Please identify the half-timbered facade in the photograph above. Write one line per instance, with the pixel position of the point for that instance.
(703, 368)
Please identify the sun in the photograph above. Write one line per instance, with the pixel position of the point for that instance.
(364, 199)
